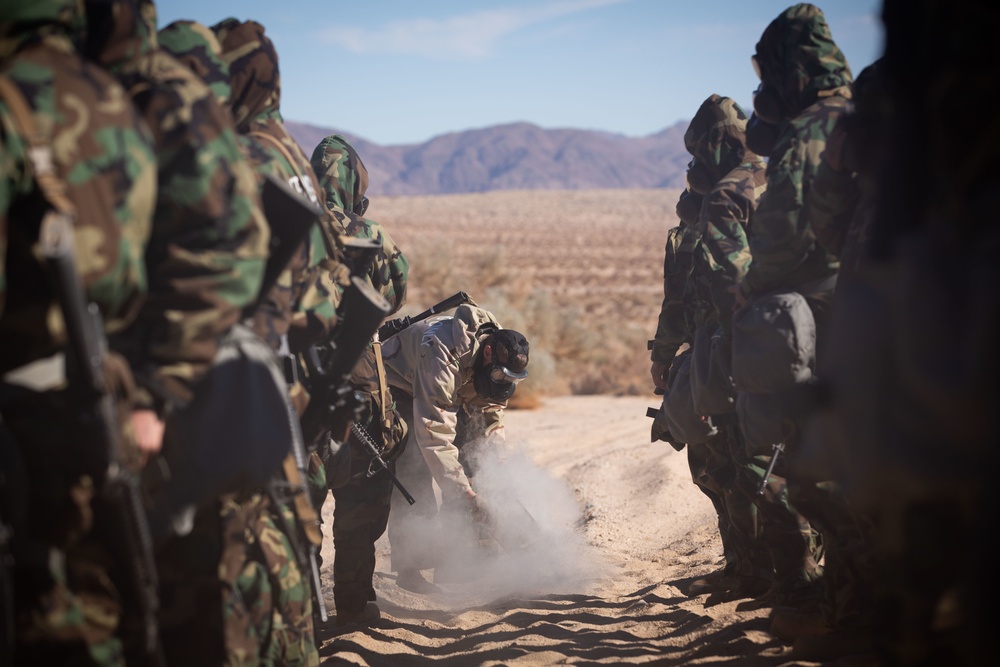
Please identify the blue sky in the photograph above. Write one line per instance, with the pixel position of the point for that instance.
(403, 71)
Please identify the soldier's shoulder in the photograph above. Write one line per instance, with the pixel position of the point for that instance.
(177, 103)
(742, 182)
(821, 114)
(265, 157)
(76, 103)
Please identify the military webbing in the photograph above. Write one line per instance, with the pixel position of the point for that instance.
(39, 152)
(383, 387)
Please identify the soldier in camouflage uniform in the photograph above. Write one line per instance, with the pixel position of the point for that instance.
(361, 502)
(299, 312)
(731, 179)
(266, 595)
(206, 258)
(437, 368)
(805, 89)
(59, 111)
(675, 327)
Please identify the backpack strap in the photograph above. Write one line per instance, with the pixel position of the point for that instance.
(383, 388)
(51, 186)
(331, 243)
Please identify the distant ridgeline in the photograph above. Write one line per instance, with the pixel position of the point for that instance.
(519, 156)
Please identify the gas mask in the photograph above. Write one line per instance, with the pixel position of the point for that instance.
(361, 207)
(761, 136)
(699, 178)
(767, 105)
(496, 382)
(689, 207)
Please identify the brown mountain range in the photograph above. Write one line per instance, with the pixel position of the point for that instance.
(518, 156)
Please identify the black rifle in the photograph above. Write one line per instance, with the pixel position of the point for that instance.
(129, 534)
(290, 217)
(365, 439)
(778, 449)
(333, 402)
(393, 327)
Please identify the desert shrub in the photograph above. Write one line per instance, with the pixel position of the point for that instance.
(579, 273)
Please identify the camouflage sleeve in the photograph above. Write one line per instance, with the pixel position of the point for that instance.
(390, 269)
(672, 328)
(782, 242)
(102, 152)
(723, 227)
(209, 242)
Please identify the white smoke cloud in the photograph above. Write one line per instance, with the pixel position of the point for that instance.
(534, 544)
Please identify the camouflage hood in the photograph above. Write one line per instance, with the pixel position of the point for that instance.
(342, 174)
(716, 136)
(253, 70)
(798, 59)
(119, 32)
(198, 48)
(23, 20)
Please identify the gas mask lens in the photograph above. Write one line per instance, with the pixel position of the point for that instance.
(501, 374)
(362, 206)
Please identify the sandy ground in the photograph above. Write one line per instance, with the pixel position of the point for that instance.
(619, 531)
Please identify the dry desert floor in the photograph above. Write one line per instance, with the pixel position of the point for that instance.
(622, 531)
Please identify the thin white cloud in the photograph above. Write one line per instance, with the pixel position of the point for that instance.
(463, 37)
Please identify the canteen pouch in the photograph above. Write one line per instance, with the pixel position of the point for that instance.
(774, 343)
(231, 437)
(764, 421)
(711, 384)
(683, 421)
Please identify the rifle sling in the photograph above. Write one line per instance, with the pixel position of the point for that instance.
(331, 244)
(383, 387)
(303, 507)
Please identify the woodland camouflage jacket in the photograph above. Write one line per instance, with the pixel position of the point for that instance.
(302, 303)
(102, 153)
(798, 59)
(716, 138)
(209, 241)
(343, 180)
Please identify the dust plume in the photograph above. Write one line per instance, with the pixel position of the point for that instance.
(532, 543)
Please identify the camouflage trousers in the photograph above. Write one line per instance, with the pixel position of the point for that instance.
(232, 591)
(268, 606)
(795, 547)
(714, 468)
(76, 619)
(66, 603)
